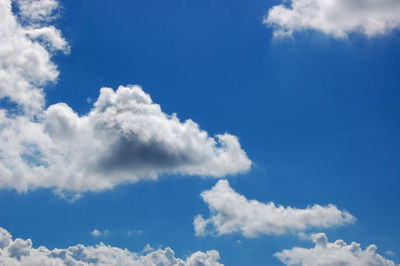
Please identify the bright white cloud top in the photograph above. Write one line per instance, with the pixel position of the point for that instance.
(25, 53)
(126, 137)
(233, 213)
(20, 252)
(335, 17)
(337, 253)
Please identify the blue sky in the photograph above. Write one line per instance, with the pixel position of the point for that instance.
(312, 105)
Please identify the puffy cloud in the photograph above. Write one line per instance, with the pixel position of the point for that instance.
(25, 57)
(337, 253)
(335, 17)
(20, 252)
(233, 213)
(124, 138)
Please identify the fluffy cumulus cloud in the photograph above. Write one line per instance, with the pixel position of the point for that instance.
(233, 213)
(25, 53)
(20, 252)
(335, 17)
(126, 137)
(337, 253)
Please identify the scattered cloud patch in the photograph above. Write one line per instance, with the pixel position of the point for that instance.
(338, 18)
(233, 213)
(389, 253)
(98, 233)
(333, 253)
(95, 232)
(20, 252)
(134, 232)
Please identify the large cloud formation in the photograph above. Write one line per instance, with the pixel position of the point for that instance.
(233, 213)
(337, 253)
(20, 252)
(126, 137)
(335, 17)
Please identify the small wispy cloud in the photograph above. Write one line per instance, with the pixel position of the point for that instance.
(147, 248)
(134, 232)
(98, 233)
(389, 253)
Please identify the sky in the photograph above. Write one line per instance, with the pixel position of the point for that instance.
(210, 133)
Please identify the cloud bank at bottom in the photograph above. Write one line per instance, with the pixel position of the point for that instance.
(20, 252)
(333, 253)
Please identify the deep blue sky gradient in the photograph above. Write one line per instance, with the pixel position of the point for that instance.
(318, 116)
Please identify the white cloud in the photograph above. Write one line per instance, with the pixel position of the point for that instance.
(97, 233)
(36, 11)
(25, 57)
(124, 138)
(147, 248)
(335, 17)
(389, 253)
(337, 253)
(233, 213)
(20, 252)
